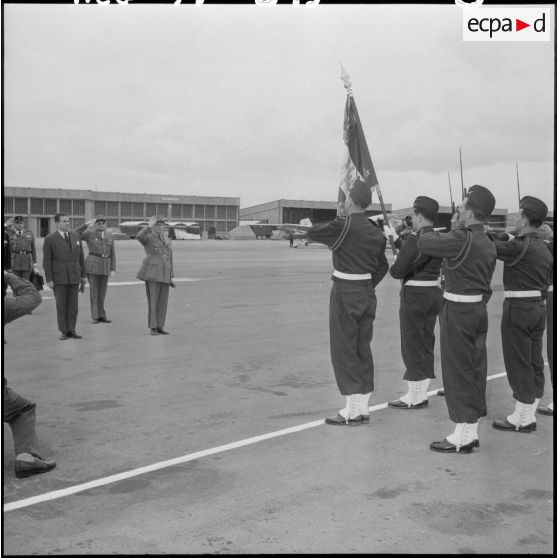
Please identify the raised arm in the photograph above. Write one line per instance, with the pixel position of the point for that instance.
(442, 245)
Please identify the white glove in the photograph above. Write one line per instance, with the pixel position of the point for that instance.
(389, 231)
(112, 273)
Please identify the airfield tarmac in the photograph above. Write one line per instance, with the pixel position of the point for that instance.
(248, 355)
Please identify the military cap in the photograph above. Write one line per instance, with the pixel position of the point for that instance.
(537, 208)
(428, 206)
(100, 218)
(481, 198)
(19, 219)
(159, 219)
(361, 193)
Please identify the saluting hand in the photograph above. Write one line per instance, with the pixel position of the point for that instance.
(389, 231)
(455, 221)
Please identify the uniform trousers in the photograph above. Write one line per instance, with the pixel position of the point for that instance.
(19, 413)
(550, 334)
(157, 300)
(97, 293)
(522, 328)
(463, 329)
(419, 307)
(66, 306)
(352, 309)
(23, 273)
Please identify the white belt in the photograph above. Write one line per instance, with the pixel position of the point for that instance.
(462, 298)
(415, 283)
(551, 289)
(521, 294)
(351, 276)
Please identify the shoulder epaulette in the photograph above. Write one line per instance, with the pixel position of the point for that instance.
(341, 237)
(521, 254)
(464, 252)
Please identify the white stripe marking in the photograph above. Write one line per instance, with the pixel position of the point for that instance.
(54, 495)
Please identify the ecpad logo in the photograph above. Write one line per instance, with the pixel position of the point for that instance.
(506, 24)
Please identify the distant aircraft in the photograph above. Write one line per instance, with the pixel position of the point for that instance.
(298, 230)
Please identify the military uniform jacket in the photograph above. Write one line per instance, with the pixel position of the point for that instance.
(411, 263)
(26, 298)
(157, 264)
(469, 259)
(358, 245)
(22, 249)
(550, 246)
(527, 263)
(63, 264)
(101, 259)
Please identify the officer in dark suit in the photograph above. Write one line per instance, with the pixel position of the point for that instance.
(17, 411)
(468, 265)
(64, 273)
(527, 275)
(157, 272)
(22, 248)
(359, 261)
(99, 264)
(420, 302)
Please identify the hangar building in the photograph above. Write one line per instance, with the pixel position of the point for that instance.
(279, 212)
(38, 206)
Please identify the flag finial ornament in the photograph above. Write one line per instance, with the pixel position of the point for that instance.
(346, 78)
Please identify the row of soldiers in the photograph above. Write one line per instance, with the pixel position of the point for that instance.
(466, 259)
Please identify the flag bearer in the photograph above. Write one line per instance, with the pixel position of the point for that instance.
(359, 261)
(468, 265)
(420, 301)
(527, 274)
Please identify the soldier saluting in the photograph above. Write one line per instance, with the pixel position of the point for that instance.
(468, 265)
(22, 248)
(99, 264)
(359, 261)
(420, 301)
(527, 275)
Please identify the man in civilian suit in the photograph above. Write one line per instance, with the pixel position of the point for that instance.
(65, 273)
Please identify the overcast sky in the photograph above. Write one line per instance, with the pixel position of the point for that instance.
(247, 101)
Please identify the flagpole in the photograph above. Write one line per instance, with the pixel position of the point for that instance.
(451, 197)
(464, 193)
(348, 86)
(517, 175)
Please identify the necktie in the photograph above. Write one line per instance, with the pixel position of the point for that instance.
(67, 237)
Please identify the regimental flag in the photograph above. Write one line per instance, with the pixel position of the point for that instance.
(357, 163)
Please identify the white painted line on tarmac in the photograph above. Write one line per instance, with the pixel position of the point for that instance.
(54, 495)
